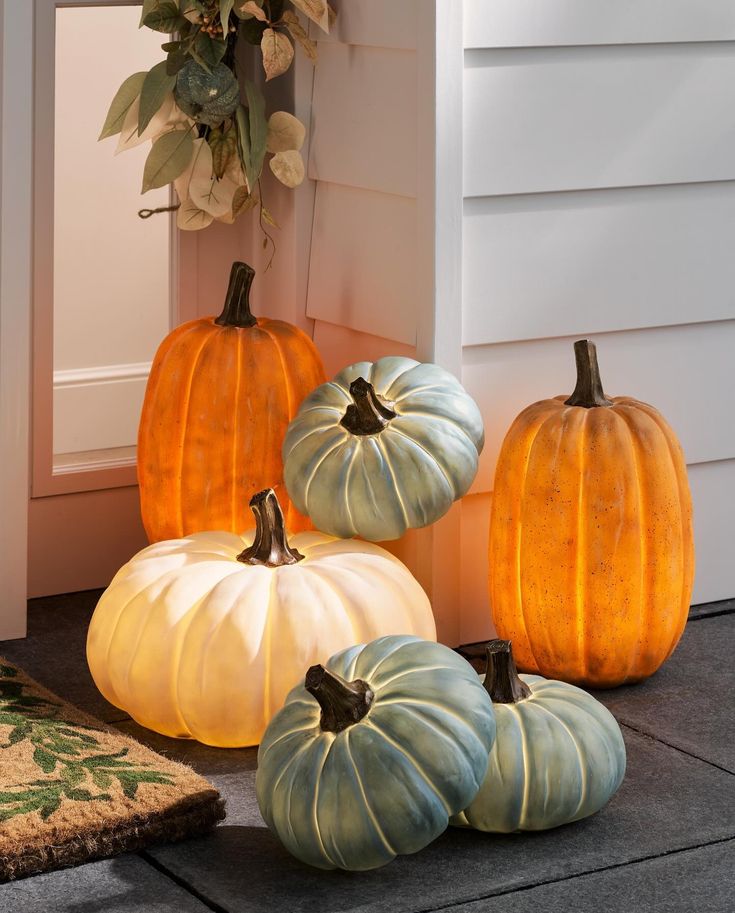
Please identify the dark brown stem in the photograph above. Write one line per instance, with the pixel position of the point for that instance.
(588, 393)
(343, 703)
(236, 312)
(502, 681)
(368, 414)
(270, 546)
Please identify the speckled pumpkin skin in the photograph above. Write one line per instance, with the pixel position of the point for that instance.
(591, 546)
(388, 784)
(558, 756)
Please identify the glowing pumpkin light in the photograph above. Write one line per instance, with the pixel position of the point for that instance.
(219, 399)
(591, 548)
(203, 637)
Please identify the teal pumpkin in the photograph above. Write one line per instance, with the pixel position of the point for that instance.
(207, 97)
(381, 448)
(558, 755)
(373, 754)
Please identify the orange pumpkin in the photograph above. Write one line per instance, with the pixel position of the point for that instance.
(219, 398)
(591, 548)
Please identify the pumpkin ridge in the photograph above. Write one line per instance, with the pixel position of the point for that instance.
(401, 675)
(179, 508)
(159, 370)
(575, 743)
(174, 662)
(284, 366)
(431, 456)
(236, 493)
(436, 727)
(552, 416)
(315, 800)
(325, 581)
(371, 814)
(581, 560)
(328, 452)
(366, 676)
(412, 761)
(392, 472)
(676, 456)
(514, 709)
(633, 655)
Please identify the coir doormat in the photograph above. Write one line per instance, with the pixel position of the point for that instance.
(73, 789)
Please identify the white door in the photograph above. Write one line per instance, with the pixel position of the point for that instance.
(104, 295)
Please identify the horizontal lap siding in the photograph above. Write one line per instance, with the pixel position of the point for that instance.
(574, 118)
(521, 23)
(684, 371)
(557, 264)
(600, 202)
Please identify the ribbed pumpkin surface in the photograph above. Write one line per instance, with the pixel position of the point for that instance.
(217, 405)
(591, 548)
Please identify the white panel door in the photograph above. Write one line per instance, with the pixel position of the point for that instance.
(102, 298)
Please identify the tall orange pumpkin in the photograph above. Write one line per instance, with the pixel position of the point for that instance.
(591, 548)
(220, 395)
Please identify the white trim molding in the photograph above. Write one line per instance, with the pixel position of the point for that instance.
(101, 374)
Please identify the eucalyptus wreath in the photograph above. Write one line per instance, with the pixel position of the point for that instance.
(207, 124)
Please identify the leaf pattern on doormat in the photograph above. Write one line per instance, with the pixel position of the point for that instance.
(84, 772)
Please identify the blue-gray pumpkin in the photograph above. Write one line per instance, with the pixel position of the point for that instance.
(558, 755)
(373, 754)
(383, 447)
(207, 97)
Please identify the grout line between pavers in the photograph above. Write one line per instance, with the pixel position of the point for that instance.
(575, 875)
(683, 751)
(182, 883)
(717, 614)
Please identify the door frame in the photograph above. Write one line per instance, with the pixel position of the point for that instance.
(16, 194)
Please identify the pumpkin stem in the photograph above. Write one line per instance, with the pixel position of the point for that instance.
(588, 393)
(270, 545)
(236, 312)
(343, 703)
(368, 414)
(502, 681)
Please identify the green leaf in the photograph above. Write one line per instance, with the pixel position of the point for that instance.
(45, 760)
(224, 148)
(164, 17)
(175, 61)
(157, 84)
(148, 7)
(168, 158)
(169, 46)
(121, 104)
(225, 8)
(257, 134)
(210, 50)
(101, 779)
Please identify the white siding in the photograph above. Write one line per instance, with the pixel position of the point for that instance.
(557, 264)
(540, 119)
(520, 23)
(600, 202)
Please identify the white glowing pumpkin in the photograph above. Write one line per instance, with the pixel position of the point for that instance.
(203, 637)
